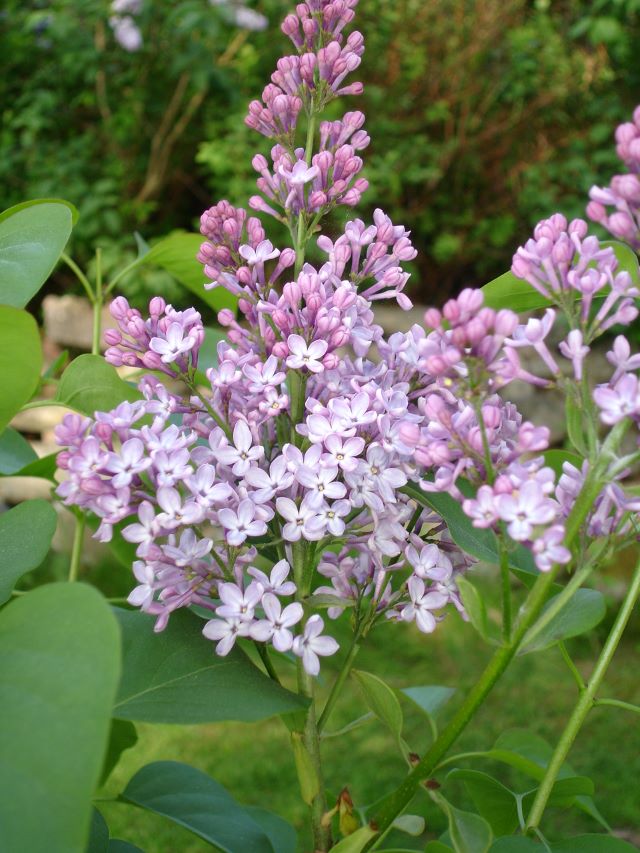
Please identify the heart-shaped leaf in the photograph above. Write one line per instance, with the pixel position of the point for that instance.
(176, 677)
(26, 532)
(58, 676)
(189, 797)
(32, 238)
(90, 385)
(177, 254)
(584, 610)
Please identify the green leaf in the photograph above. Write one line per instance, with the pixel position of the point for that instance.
(580, 844)
(177, 254)
(627, 259)
(90, 385)
(437, 847)
(32, 237)
(305, 768)
(281, 834)
(516, 844)
(469, 832)
(475, 607)
(593, 844)
(584, 610)
(176, 677)
(481, 543)
(575, 425)
(98, 834)
(356, 842)
(381, 699)
(58, 676)
(192, 799)
(15, 452)
(116, 845)
(123, 735)
(495, 803)
(19, 459)
(20, 361)
(555, 459)
(26, 532)
(508, 291)
(430, 698)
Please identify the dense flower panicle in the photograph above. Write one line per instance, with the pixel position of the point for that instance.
(316, 436)
(168, 340)
(623, 193)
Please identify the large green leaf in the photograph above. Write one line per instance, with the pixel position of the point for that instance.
(26, 532)
(381, 699)
(176, 677)
(90, 385)
(508, 291)
(58, 676)
(98, 834)
(430, 698)
(32, 237)
(356, 842)
(20, 361)
(280, 833)
(580, 844)
(19, 459)
(476, 609)
(189, 797)
(177, 255)
(469, 832)
(15, 452)
(584, 610)
(496, 803)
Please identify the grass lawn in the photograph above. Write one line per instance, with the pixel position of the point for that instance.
(254, 762)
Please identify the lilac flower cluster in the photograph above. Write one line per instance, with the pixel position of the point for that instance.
(168, 340)
(623, 193)
(299, 478)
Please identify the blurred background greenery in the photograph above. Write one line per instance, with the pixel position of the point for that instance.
(484, 115)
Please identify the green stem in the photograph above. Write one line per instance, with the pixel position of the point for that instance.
(266, 660)
(506, 589)
(618, 703)
(76, 550)
(395, 804)
(196, 391)
(339, 682)
(97, 306)
(558, 603)
(301, 237)
(577, 677)
(84, 281)
(584, 704)
(120, 274)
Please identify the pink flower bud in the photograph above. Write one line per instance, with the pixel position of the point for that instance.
(280, 349)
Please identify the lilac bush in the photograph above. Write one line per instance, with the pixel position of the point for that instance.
(321, 471)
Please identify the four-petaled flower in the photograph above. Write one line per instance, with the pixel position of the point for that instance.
(310, 644)
(241, 523)
(242, 453)
(306, 355)
(275, 627)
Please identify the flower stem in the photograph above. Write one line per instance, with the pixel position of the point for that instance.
(506, 588)
(339, 682)
(76, 551)
(97, 306)
(584, 704)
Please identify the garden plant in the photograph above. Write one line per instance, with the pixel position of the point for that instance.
(296, 469)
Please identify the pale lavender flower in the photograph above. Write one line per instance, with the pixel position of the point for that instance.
(423, 603)
(301, 521)
(620, 401)
(237, 603)
(242, 453)
(276, 582)
(311, 643)
(227, 632)
(241, 523)
(524, 509)
(306, 355)
(275, 627)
